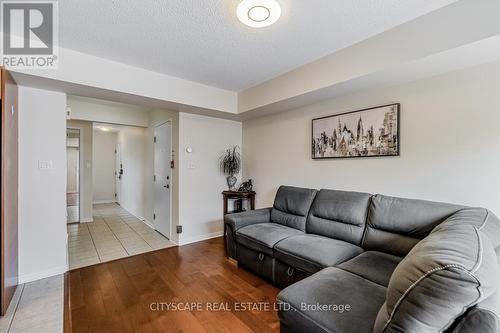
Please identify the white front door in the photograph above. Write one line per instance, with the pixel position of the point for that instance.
(162, 178)
(118, 173)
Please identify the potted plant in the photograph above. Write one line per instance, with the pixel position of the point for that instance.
(230, 165)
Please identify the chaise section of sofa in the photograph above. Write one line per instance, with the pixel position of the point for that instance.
(450, 271)
(356, 262)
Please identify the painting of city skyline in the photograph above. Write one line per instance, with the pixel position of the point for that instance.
(364, 133)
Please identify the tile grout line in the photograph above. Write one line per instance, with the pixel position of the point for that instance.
(138, 233)
(117, 238)
(93, 243)
(110, 229)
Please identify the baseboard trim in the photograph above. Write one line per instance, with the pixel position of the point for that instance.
(87, 220)
(199, 238)
(97, 202)
(148, 223)
(42, 275)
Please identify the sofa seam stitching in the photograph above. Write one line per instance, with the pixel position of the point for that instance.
(359, 275)
(479, 259)
(309, 261)
(365, 231)
(485, 219)
(428, 273)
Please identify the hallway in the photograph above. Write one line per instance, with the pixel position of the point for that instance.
(114, 234)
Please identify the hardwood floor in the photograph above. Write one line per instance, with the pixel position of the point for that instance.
(133, 294)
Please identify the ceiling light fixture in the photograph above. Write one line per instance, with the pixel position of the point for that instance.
(258, 13)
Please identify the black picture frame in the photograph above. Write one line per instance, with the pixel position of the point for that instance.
(394, 152)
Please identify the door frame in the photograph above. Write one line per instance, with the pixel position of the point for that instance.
(79, 172)
(9, 242)
(169, 120)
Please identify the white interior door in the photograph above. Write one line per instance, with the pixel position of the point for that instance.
(162, 178)
(118, 173)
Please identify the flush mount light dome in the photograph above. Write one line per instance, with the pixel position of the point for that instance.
(258, 13)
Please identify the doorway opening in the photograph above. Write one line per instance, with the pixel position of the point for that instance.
(73, 175)
(127, 180)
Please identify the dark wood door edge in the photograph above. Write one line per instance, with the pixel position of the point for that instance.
(67, 316)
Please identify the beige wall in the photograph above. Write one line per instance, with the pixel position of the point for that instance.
(86, 192)
(450, 143)
(200, 199)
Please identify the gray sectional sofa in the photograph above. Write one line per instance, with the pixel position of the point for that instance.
(356, 262)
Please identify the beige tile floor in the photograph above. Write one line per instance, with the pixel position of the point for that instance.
(37, 307)
(114, 234)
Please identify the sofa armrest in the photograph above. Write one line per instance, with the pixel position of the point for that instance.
(233, 222)
(240, 220)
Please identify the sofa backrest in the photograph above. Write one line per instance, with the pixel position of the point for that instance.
(291, 206)
(395, 225)
(452, 270)
(339, 214)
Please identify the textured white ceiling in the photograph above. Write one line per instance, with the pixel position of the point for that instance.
(203, 41)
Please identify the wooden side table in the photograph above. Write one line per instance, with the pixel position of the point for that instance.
(241, 197)
(237, 195)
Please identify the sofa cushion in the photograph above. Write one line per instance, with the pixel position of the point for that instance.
(233, 222)
(291, 206)
(372, 265)
(448, 272)
(476, 319)
(339, 215)
(395, 225)
(330, 287)
(263, 236)
(311, 253)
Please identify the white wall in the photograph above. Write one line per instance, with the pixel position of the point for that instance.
(201, 183)
(104, 166)
(107, 112)
(86, 162)
(132, 141)
(42, 200)
(450, 143)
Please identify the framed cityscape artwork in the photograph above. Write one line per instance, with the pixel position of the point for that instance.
(364, 133)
